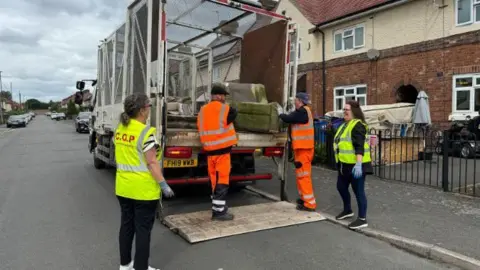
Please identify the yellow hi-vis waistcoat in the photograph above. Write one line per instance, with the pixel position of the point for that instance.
(133, 179)
(344, 151)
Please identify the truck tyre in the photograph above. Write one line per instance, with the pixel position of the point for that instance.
(98, 163)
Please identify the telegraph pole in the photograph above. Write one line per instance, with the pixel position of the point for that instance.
(1, 100)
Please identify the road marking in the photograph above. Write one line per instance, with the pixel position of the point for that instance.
(6, 131)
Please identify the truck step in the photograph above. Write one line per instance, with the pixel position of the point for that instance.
(198, 227)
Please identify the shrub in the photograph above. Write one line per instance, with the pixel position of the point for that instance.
(320, 156)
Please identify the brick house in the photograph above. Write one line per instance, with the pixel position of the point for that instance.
(382, 52)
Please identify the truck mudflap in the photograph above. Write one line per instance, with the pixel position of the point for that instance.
(206, 179)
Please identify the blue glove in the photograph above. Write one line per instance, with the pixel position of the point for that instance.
(166, 190)
(357, 170)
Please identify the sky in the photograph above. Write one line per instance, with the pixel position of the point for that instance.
(46, 45)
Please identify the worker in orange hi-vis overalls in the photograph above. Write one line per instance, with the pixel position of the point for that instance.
(302, 136)
(217, 135)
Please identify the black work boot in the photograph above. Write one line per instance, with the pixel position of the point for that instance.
(300, 202)
(223, 217)
(302, 207)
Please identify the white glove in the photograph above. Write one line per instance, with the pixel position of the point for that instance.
(166, 190)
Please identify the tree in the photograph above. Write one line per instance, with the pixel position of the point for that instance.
(71, 108)
(6, 95)
(54, 106)
(35, 104)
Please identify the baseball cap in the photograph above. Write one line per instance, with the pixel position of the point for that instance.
(219, 89)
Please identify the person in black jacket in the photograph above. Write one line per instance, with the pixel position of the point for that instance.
(353, 165)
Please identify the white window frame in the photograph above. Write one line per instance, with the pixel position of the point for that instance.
(299, 50)
(471, 89)
(342, 32)
(342, 97)
(216, 74)
(473, 3)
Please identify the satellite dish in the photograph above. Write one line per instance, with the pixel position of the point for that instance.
(373, 54)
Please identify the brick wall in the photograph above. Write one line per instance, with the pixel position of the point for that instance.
(428, 66)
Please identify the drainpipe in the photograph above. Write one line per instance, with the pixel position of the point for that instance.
(324, 75)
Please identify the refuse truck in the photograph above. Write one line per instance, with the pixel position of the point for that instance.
(174, 51)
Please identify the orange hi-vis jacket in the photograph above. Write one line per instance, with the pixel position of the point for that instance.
(303, 134)
(212, 126)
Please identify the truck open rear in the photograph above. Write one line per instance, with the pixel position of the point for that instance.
(168, 50)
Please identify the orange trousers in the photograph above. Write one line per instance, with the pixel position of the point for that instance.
(303, 171)
(219, 167)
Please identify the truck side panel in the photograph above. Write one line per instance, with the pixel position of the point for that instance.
(263, 59)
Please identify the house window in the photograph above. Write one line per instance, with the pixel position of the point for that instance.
(466, 93)
(343, 94)
(350, 38)
(216, 74)
(292, 51)
(467, 11)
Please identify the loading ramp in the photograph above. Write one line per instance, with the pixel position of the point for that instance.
(198, 227)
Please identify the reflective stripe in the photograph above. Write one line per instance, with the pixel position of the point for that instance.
(218, 202)
(130, 168)
(301, 174)
(218, 131)
(341, 151)
(218, 209)
(224, 140)
(307, 126)
(303, 137)
(137, 168)
(296, 127)
(306, 197)
(312, 201)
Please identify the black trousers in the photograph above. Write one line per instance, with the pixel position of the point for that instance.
(137, 220)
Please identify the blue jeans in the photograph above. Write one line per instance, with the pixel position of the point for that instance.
(358, 186)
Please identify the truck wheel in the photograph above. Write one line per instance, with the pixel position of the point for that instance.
(98, 163)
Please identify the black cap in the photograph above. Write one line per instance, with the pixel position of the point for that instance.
(219, 89)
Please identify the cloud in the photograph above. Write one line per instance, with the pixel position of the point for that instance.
(46, 45)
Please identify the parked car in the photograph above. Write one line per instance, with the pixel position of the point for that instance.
(81, 122)
(61, 116)
(16, 121)
(53, 116)
(26, 117)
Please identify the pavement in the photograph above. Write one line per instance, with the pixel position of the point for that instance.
(422, 213)
(58, 212)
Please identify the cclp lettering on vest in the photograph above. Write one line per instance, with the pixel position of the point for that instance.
(124, 137)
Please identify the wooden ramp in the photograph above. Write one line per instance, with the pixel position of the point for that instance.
(197, 226)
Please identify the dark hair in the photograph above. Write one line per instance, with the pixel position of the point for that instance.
(131, 107)
(356, 110)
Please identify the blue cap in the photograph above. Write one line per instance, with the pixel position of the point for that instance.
(302, 96)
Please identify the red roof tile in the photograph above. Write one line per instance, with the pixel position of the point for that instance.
(321, 11)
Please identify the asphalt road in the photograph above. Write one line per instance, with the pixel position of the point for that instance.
(58, 212)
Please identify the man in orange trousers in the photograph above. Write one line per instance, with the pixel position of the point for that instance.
(302, 136)
(217, 135)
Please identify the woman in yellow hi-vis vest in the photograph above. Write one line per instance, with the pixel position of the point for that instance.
(352, 154)
(139, 181)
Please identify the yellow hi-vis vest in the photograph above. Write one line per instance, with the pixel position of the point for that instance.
(343, 147)
(133, 179)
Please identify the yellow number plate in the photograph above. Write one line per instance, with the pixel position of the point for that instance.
(180, 163)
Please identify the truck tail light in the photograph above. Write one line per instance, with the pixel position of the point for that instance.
(273, 151)
(178, 152)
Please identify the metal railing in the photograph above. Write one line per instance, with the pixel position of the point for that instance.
(434, 158)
